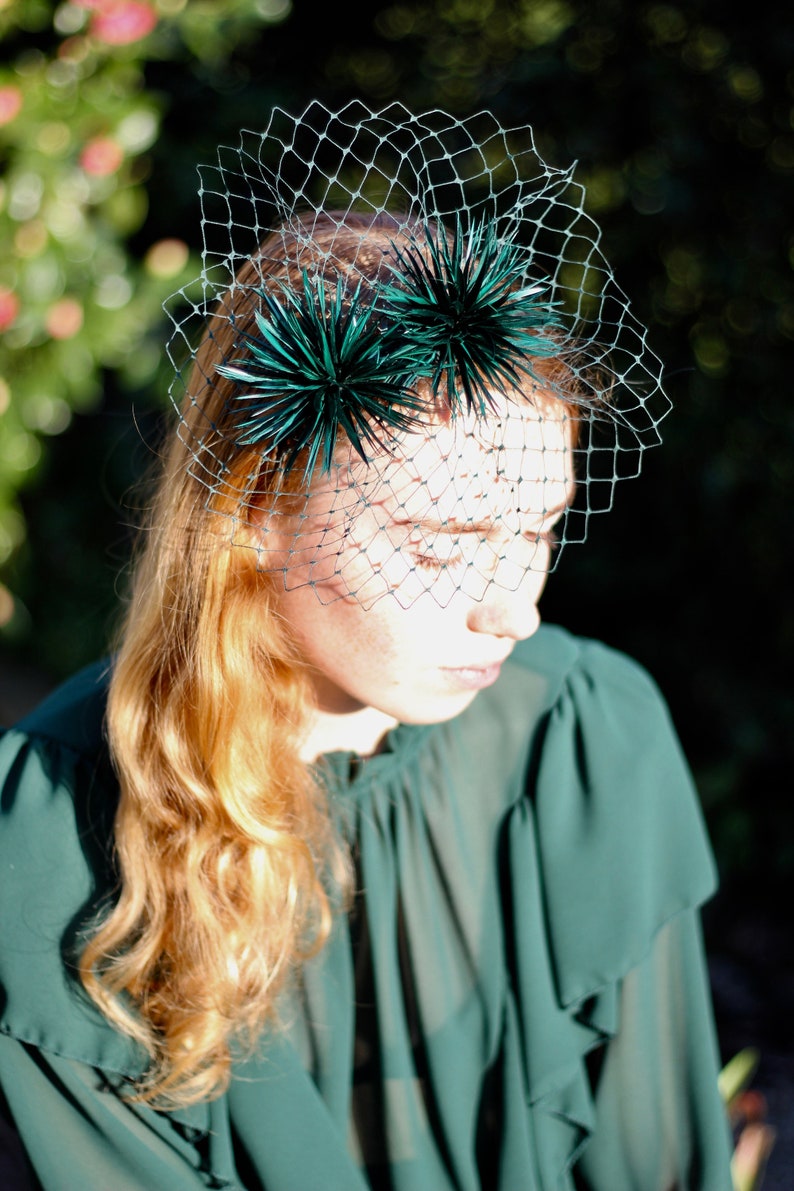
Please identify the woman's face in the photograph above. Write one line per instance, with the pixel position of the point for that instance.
(407, 589)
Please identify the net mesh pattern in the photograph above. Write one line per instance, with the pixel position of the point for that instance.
(455, 498)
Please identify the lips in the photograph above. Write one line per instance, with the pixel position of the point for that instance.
(481, 665)
(473, 678)
(486, 665)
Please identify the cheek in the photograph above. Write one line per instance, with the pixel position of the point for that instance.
(387, 640)
(339, 637)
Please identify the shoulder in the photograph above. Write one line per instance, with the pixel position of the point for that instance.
(50, 759)
(557, 687)
(606, 736)
(562, 657)
(57, 784)
(596, 694)
(587, 713)
(58, 804)
(73, 714)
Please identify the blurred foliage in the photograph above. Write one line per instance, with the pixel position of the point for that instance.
(754, 1138)
(78, 299)
(680, 116)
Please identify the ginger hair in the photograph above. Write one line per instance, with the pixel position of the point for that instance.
(230, 869)
(228, 863)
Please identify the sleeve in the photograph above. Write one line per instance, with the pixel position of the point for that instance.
(659, 1122)
(67, 1127)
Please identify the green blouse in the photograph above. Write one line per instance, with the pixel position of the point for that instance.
(517, 1001)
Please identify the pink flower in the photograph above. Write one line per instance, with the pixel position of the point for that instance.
(64, 318)
(120, 22)
(10, 104)
(101, 156)
(9, 308)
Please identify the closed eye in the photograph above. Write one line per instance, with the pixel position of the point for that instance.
(546, 537)
(430, 562)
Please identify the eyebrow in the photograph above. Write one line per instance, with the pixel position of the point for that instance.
(482, 527)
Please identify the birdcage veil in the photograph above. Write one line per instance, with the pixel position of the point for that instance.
(415, 345)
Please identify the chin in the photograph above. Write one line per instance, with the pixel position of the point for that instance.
(435, 711)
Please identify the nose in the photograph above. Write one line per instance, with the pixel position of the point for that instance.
(501, 613)
(509, 605)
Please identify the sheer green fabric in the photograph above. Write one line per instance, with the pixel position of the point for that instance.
(516, 1002)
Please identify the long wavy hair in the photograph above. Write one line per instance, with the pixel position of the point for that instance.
(230, 869)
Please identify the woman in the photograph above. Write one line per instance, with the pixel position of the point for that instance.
(374, 883)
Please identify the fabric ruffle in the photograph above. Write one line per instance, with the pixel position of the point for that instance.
(608, 849)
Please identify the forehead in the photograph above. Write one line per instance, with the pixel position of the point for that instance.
(516, 460)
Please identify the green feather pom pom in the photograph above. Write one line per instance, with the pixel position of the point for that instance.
(319, 364)
(470, 325)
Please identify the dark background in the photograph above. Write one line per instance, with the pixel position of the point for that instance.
(681, 119)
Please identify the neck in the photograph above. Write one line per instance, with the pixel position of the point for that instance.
(360, 731)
